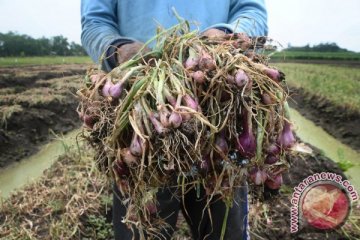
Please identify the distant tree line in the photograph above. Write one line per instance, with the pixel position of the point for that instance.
(14, 44)
(322, 47)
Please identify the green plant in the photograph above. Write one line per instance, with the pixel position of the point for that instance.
(102, 229)
(345, 165)
(57, 205)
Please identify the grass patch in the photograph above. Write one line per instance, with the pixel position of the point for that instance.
(316, 55)
(48, 60)
(339, 85)
(6, 112)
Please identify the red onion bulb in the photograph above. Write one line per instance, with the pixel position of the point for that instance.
(286, 139)
(274, 183)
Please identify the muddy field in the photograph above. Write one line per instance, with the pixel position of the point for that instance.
(37, 100)
(34, 102)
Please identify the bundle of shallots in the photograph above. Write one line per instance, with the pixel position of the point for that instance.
(197, 113)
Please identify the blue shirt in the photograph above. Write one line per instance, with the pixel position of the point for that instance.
(109, 22)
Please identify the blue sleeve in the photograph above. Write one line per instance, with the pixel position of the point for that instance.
(100, 29)
(248, 16)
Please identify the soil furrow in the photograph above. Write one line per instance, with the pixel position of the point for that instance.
(338, 121)
(32, 106)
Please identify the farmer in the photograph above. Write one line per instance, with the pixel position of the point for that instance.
(113, 31)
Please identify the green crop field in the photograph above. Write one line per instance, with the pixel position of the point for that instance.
(290, 55)
(340, 85)
(48, 60)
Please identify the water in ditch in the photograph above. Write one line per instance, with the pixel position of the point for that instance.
(331, 147)
(28, 169)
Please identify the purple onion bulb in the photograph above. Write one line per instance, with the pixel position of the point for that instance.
(271, 159)
(185, 116)
(120, 168)
(266, 99)
(106, 88)
(258, 176)
(95, 78)
(171, 100)
(246, 144)
(221, 145)
(274, 183)
(128, 157)
(164, 117)
(286, 139)
(89, 121)
(273, 149)
(274, 74)
(206, 62)
(136, 145)
(151, 208)
(198, 77)
(230, 79)
(190, 102)
(159, 128)
(192, 61)
(116, 90)
(175, 120)
(241, 79)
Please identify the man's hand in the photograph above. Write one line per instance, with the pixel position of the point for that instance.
(240, 40)
(127, 51)
(244, 41)
(213, 33)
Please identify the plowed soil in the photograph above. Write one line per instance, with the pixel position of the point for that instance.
(35, 101)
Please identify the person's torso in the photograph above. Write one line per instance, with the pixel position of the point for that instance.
(140, 18)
